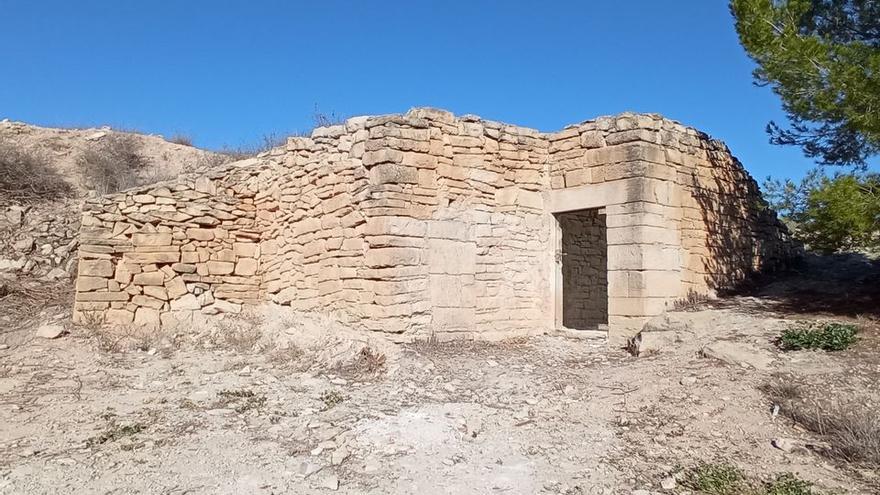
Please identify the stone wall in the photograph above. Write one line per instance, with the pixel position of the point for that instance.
(426, 223)
(38, 241)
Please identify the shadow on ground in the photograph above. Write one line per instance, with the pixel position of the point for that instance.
(842, 285)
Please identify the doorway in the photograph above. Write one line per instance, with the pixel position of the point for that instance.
(582, 265)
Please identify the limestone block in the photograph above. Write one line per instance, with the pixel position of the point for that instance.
(577, 177)
(197, 234)
(147, 317)
(124, 272)
(644, 256)
(189, 257)
(246, 249)
(101, 296)
(246, 266)
(205, 221)
(157, 292)
(221, 306)
(643, 234)
(637, 306)
(151, 239)
(510, 196)
(389, 173)
(95, 268)
(175, 287)
(186, 302)
(390, 257)
(183, 267)
(592, 139)
(85, 284)
(224, 255)
(399, 226)
(648, 283)
(149, 278)
(147, 302)
(143, 199)
(451, 257)
(387, 155)
(220, 267)
(445, 290)
(118, 317)
(446, 318)
(170, 256)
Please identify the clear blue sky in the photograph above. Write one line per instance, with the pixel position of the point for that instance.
(228, 72)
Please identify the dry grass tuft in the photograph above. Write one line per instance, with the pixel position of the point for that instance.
(116, 163)
(692, 302)
(122, 338)
(181, 139)
(23, 304)
(369, 361)
(241, 333)
(27, 175)
(851, 431)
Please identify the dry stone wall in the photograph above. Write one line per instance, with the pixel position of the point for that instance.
(429, 223)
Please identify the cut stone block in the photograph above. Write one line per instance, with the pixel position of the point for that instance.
(149, 278)
(220, 267)
(95, 268)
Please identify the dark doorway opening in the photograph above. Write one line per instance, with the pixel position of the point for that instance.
(584, 269)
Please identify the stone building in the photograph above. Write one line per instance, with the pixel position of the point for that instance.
(426, 223)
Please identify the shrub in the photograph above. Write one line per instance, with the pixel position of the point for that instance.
(113, 164)
(825, 336)
(788, 484)
(725, 479)
(27, 175)
(267, 142)
(181, 139)
(716, 479)
(830, 214)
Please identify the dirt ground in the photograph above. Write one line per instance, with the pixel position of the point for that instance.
(85, 413)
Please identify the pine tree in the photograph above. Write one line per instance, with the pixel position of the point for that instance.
(822, 57)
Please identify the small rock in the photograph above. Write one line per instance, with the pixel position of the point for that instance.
(784, 444)
(330, 482)
(15, 215)
(50, 331)
(688, 380)
(739, 354)
(55, 274)
(3, 347)
(449, 387)
(668, 483)
(339, 456)
(647, 343)
(219, 412)
(24, 245)
(308, 468)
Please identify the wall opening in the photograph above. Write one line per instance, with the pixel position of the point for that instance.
(582, 256)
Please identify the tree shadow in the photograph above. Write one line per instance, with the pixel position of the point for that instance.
(845, 285)
(744, 237)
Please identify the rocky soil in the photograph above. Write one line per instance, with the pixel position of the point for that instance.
(270, 404)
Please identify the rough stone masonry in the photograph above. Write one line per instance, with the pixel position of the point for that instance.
(426, 223)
